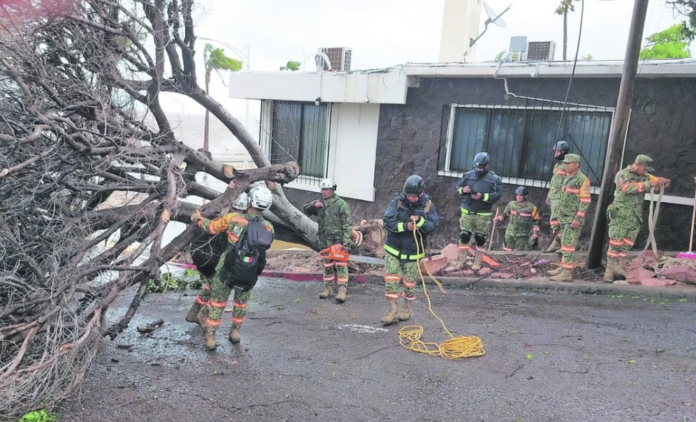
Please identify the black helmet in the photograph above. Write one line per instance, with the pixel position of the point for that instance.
(521, 190)
(560, 150)
(414, 185)
(481, 159)
(562, 146)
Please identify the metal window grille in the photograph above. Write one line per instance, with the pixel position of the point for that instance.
(520, 139)
(300, 132)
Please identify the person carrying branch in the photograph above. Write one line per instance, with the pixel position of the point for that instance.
(249, 236)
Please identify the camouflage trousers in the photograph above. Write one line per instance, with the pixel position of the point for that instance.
(554, 221)
(569, 241)
(395, 270)
(335, 270)
(215, 295)
(474, 223)
(517, 242)
(623, 230)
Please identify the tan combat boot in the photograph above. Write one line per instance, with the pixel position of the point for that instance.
(341, 296)
(477, 261)
(405, 311)
(327, 292)
(203, 316)
(210, 342)
(554, 246)
(620, 268)
(391, 316)
(192, 315)
(234, 336)
(463, 255)
(556, 271)
(565, 275)
(609, 272)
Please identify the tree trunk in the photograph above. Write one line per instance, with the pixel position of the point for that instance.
(206, 127)
(565, 33)
(282, 207)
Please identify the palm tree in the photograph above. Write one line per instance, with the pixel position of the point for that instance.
(563, 9)
(215, 59)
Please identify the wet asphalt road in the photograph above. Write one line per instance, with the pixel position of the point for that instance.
(549, 358)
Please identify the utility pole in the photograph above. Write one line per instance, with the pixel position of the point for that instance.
(619, 128)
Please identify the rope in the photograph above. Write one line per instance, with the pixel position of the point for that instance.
(654, 212)
(453, 347)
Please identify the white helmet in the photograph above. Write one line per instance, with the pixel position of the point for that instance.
(261, 198)
(327, 184)
(242, 202)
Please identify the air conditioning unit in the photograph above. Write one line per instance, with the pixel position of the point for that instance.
(340, 58)
(543, 51)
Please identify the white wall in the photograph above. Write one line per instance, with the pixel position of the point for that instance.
(460, 23)
(353, 149)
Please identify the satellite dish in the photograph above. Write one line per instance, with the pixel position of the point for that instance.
(492, 18)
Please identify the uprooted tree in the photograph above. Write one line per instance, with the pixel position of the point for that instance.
(81, 119)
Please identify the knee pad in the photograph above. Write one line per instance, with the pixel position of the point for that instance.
(480, 239)
(464, 237)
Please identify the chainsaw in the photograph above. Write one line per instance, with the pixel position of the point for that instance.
(339, 253)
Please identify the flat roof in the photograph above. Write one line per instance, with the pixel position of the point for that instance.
(583, 69)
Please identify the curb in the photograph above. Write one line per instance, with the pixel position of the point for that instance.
(529, 285)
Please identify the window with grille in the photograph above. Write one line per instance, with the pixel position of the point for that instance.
(300, 133)
(520, 140)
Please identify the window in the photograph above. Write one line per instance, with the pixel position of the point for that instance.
(519, 140)
(300, 133)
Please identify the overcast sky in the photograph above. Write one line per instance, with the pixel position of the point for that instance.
(384, 33)
(388, 32)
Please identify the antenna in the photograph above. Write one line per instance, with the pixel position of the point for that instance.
(492, 18)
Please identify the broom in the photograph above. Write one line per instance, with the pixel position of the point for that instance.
(690, 255)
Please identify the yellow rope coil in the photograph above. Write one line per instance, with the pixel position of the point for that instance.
(453, 347)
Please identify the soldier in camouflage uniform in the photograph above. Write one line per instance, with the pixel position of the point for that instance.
(625, 214)
(523, 227)
(333, 218)
(574, 202)
(233, 224)
(409, 212)
(479, 188)
(560, 150)
(206, 256)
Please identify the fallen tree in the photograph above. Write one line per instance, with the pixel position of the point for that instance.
(81, 120)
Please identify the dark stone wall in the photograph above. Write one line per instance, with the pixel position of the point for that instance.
(411, 141)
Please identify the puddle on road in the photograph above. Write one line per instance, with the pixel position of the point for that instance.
(362, 329)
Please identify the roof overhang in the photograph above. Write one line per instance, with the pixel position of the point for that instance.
(584, 69)
(390, 85)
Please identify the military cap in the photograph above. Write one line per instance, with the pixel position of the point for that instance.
(645, 160)
(571, 158)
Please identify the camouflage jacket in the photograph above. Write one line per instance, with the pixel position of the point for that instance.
(559, 174)
(630, 190)
(575, 198)
(233, 223)
(333, 219)
(523, 218)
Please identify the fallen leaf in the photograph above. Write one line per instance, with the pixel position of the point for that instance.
(632, 362)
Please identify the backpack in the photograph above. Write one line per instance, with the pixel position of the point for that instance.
(246, 259)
